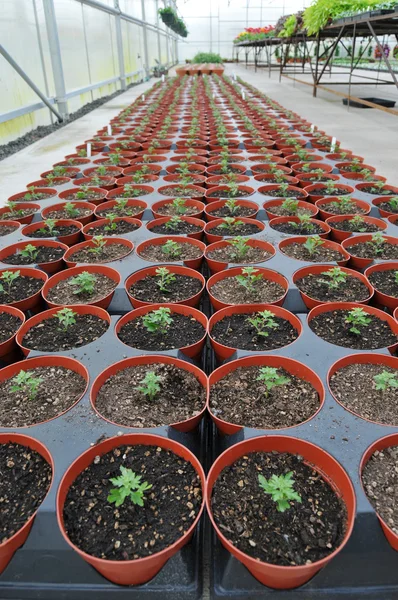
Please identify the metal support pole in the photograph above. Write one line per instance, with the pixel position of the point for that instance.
(119, 43)
(316, 68)
(158, 32)
(145, 33)
(354, 38)
(30, 83)
(382, 53)
(56, 60)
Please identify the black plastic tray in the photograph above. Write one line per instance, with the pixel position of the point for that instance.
(379, 101)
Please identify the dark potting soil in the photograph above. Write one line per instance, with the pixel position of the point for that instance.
(181, 397)
(63, 292)
(44, 255)
(118, 228)
(248, 517)
(332, 327)
(264, 291)
(317, 179)
(298, 228)
(322, 254)
(283, 193)
(355, 388)
(89, 195)
(58, 232)
(385, 206)
(128, 532)
(25, 479)
(129, 211)
(275, 180)
(182, 288)
(227, 194)
(155, 252)
(244, 229)
(22, 287)
(335, 192)
(36, 196)
(385, 281)
(58, 390)
(335, 208)
(9, 325)
(174, 192)
(221, 172)
(181, 228)
(108, 253)
(183, 331)
(317, 287)
(239, 211)
(228, 254)
(279, 211)
(168, 210)
(18, 214)
(63, 214)
(235, 331)
(6, 229)
(370, 189)
(368, 250)
(349, 225)
(50, 336)
(379, 479)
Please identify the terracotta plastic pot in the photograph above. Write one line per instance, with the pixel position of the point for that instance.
(322, 206)
(275, 576)
(14, 224)
(49, 192)
(30, 302)
(189, 202)
(70, 172)
(193, 263)
(198, 222)
(301, 194)
(151, 169)
(313, 194)
(380, 298)
(340, 235)
(178, 270)
(396, 314)
(324, 226)
(138, 205)
(158, 158)
(129, 572)
(223, 352)
(68, 240)
(268, 179)
(213, 206)
(111, 171)
(89, 230)
(327, 244)
(48, 267)
(393, 219)
(8, 345)
(55, 182)
(349, 245)
(150, 359)
(21, 205)
(70, 262)
(318, 270)
(107, 183)
(380, 200)
(216, 265)
(394, 190)
(197, 191)
(337, 157)
(73, 272)
(383, 316)
(248, 191)
(10, 546)
(211, 225)
(294, 158)
(192, 350)
(68, 195)
(266, 273)
(116, 192)
(298, 167)
(269, 204)
(83, 220)
(212, 169)
(306, 179)
(198, 180)
(345, 168)
(259, 168)
(219, 180)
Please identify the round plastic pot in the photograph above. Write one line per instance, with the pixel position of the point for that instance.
(268, 178)
(313, 194)
(212, 169)
(301, 204)
(22, 220)
(67, 195)
(70, 262)
(49, 192)
(178, 270)
(393, 219)
(324, 226)
(73, 272)
(61, 206)
(394, 190)
(198, 192)
(327, 244)
(380, 298)
(196, 204)
(48, 267)
(361, 359)
(158, 158)
(345, 168)
(340, 235)
(193, 263)
(336, 156)
(301, 194)
(319, 270)
(248, 191)
(129, 179)
(111, 172)
(259, 168)
(349, 245)
(151, 359)
(89, 229)
(314, 166)
(322, 206)
(218, 180)
(195, 236)
(140, 205)
(192, 350)
(396, 314)
(10, 546)
(305, 179)
(223, 352)
(294, 158)
(30, 302)
(275, 576)
(68, 240)
(141, 570)
(266, 273)
(118, 191)
(383, 316)
(151, 169)
(14, 224)
(211, 237)
(213, 206)
(216, 265)
(107, 183)
(8, 345)
(380, 200)
(70, 172)
(55, 182)
(198, 180)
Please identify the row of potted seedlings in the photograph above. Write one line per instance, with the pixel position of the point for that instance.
(127, 504)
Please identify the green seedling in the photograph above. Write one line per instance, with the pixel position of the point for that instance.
(330, 188)
(303, 221)
(240, 248)
(50, 178)
(71, 210)
(178, 206)
(173, 223)
(270, 377)
(172, 250)
(59, 171)
(112, 225)
(385, 381)
(129, 191)
(49, 228)
(233, 188)
(13, 210)
(99, 243)
(158, 321)
(248, 278)
(82, 153)
(344, 204)
(115, 158)
(336, 277)
(7, 279)
(31, 195)
(31, 252)
(280, 488)
(164, 278)
(26, 383)
(393, 202)
(121, 206)
(357, 318)
(261, 321)
(283, 187)
(128, 485)
(66, 318)
(358, 221)
(81, 194)
(232, 205)
(312, 244)
(85, 282)
(378, 242)
(150, 385)
(290, 205)
(101, 171)
(230, 225)
(96, 181)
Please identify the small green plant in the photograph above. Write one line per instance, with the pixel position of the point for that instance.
(150, 385)
(49, 228)
(128, 485)
(230, 224)
(303, 221)
(393, 202)
(8, 278)
(240, 248)
(130, 192)
(336, 277)
(66, 318)
(385, 380)
(173, 223)
(31, 252)
(290, 206)
(85, 282)
(178, 206)
(357, 318)
(233, 188)
(26, 383)
(270, 377)
(248, 278)
(312, 244)
(81, 194)
(31, 195)
(330, 188)
(280, 487)
(345, 204)
(232, 205)
(99, 243)
(261, 321)
(13, 210)
(358, 221)
(164, 278)
(101, 171)
(71, 210)
(112, 225)
(120, 206)
(158, 321)
(378, 242)
(172, 250)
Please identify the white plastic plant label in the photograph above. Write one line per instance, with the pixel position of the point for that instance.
(143, 97)
(312, 128)
(162, 78)
(333, 144)
(243, 95)
(88, 149)
(109, 129)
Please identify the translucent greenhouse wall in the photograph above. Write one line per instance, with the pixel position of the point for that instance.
(89, 55)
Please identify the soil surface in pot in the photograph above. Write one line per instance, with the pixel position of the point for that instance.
(248, 517)
(36, 196)
(6, 229)
(229, 254)
(388, 207)
(58, 389)
(354, 386)
(22, 287)
(227, 194)
(241, 398)
(333, 327)
(221, 172)
(235, 331)
(181, 192)
(128, 532)
(169, 210)
(180, 228)
(317, 179)
(156, 253)
(321, 254)
(238, 228)
(239, 211)
(64, 291)
(280, 211)
(354, 227)
(262, 291)
(379, 479)
(84, 195)
(25, 479)
(333, 192)
(384, 251)
(283, 193)
(180, 397)
(385, 281)
(183, 331)
(181, 288)
(336, 208)
(292, 228)
(319, 288)
(18, 214)
(129, 211)
(50, 336)
(370, 189)
(107, 253)
(77, 213)
(118, 228)
(45, 254)
(58, 231)
(9, 324)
